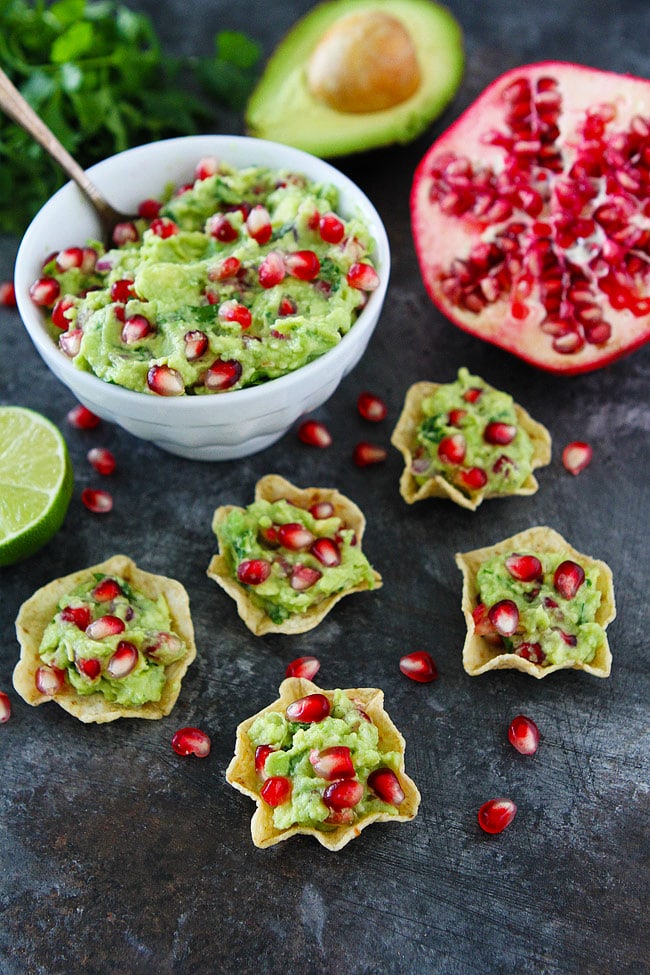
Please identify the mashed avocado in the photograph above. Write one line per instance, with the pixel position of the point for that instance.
(110, 639)
(551, 628)
(293, 743)
(471, 436)
(290, 560)
(240, 278)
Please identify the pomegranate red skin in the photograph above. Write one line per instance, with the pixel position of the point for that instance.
(440, 239)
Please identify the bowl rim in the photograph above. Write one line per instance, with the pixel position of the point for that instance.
(288, 157)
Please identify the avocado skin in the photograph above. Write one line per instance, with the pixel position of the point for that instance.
(281, 107)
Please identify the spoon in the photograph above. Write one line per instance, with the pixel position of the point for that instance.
(15, 106)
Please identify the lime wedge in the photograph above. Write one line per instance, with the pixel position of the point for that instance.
(35, 482)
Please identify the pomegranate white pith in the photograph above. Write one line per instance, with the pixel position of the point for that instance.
(531, 217)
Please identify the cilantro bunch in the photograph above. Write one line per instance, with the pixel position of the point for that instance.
(95, 72)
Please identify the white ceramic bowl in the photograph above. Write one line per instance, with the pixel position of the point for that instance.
(214, 427)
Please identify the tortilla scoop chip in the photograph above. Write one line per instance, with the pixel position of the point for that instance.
(404, 437)
(272, 487)
(40, 609)
(242, 776)
(479, 656)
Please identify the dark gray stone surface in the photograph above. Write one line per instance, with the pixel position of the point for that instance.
(119, 858)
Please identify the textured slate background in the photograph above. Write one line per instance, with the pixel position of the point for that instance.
(119, 858)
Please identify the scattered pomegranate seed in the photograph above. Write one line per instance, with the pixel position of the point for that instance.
(499, 433)
(332, 763)
(149, 209)
(262, 752)
(272, 270)
(568, 578)
(532, 652)
(287, 306)
(483, 626)
(229, 267)
(163, 227)
(258, 224)
(165, 381)
(504, 617)
(233, 311)
(5, 707)
(70, 342)
(306, 667)
(308, 710)
(331, 229)
(206, 167)
(385, 784)
(122, 290)
(135, 329)
(276, 790)
(221, 228)
(79, 615)
(451, 449)
(496, 814)
(69, 258)
(371, 407)
(576, 456)
(295, 536)
(223, 374)
(456, 417)
(82, 418)
(303, 577)
(105, 626)
(97, 501)
(524, 568)
(90, 667)
(322, 509)
(419, 666)
(7, 294)
(101, 459)
(523, 734)
(326, 551)
(473, 478)
(125, 233)
(345, 794)
(123, 661)
(363, 276)
(107, 590)
(49, 680)
(59, 317)
(191, 741)
(44, 292)
(472, 394)
(303, 265)
(253, 572)
(196, 344)
(314, 433)
(365, 454)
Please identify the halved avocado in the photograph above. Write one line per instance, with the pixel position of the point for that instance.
(353, 75)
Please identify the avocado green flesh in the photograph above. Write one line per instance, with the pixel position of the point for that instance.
(283, 109)
(293, 743)
(544, 615)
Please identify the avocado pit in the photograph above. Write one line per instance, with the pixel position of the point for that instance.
(365, 62)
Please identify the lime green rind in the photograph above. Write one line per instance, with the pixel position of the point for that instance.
(282, 109)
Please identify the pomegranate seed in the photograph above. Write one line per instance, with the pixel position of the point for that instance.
(496, 814)
(568, 578)
(149, 209)
(344, 794)
(504, 617)
(70, 342)
(456, 417)
(306, 667)
(308, 710)
(287, 307)
(69, 258)
(233, 311)
(532, 652)
(90, 667)
(332, 763)
(101, 459)
(576, 456)
(253, 572)
(322, 509)
(303, 577)
(82, 418)
(223, 374)
(363, 277)
(524, 568)
(326, 551)
(303, 265)
(191, 741)
(295, 536)
(44, 292)
(196, 344)
(125, 233)
(365, 454)
(136, 328)
(123, 660)
(164, 648)
(331, 229)
(163, 227)
(276, 790)
(258, 224)
(59, 317)
(451, 449)
(419, 666)
(49, 680)
(104, 627)
(7, 294)
(229, 267)
(483, 625)
(122, 290)
(165, 381)
(314, 433)
(79, 615)
(385, 784)
(262, 752)
(272, 270)
(499, 433)
(371, 407)
(340, 817)
(206, 167)
(523, 734)
(97, 501)
(220, 227)
(106, 590)
(472, 394)
(473, 478)
(5, 707)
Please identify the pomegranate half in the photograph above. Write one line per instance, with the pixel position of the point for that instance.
(531, 216)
